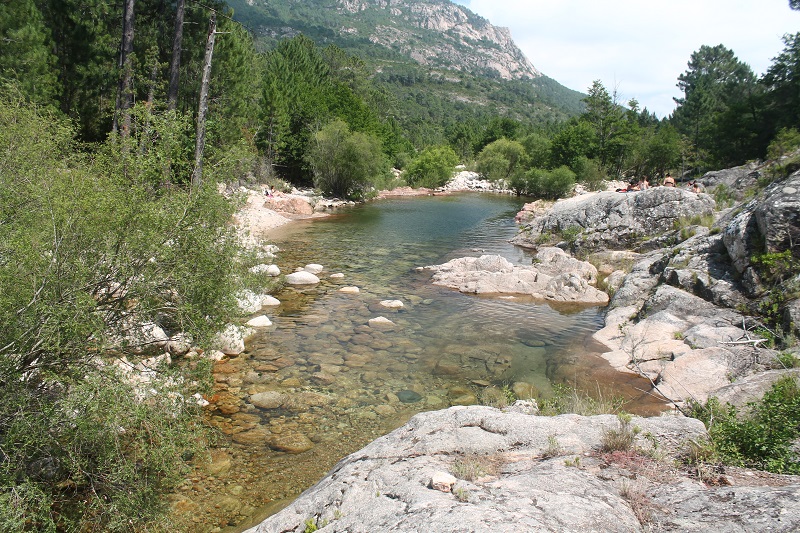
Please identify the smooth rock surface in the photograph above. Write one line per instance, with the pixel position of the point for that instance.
(302, 278)
(387, 486)
(616, 221)
(259, 322)
(493, 274)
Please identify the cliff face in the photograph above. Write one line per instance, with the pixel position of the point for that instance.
(435, 33)
(444, 35)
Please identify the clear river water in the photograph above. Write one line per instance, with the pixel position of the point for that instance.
(329, 383)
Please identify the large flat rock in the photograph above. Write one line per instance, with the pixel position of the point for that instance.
(534, 486)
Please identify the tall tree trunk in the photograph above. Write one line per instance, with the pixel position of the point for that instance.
(175, 64)
(125, 92)
(200, 141)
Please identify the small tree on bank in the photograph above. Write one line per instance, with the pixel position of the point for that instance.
(433, 167)
(345, 163)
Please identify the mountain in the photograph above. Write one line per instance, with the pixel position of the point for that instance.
(432, 54)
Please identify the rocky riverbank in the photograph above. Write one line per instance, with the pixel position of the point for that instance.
(684, 282)
(480, 469)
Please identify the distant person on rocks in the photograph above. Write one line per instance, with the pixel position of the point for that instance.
(271, 191)
(696, 187)
(634, 186)
(644, 184)
(669, 181)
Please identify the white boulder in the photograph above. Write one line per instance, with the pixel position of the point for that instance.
(269, 301)
(314, 268)
(259, 322)
(302, 278)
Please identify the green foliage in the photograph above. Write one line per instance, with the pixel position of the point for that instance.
(501, 160)
(537, 150)
(718, 111)
(760, 436)
(575, 140)
(26, 55)
(88, 454)
(571, 234)
(588, 172)
(787, 140)
(551, 184)
(723, 195)
(787, 360)
(345, 163)
(782, 82)
(91, 247)
(432, 168)
(305, 86)
(775, 267)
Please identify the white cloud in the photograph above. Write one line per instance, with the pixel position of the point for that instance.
(638, 47)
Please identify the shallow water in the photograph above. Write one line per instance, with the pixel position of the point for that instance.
(344, 382)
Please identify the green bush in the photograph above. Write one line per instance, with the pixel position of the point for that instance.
(500, 160)
(345, 163)
(588, 172)
(432, 168)
(551, 184)
(90, 245)
(763, 434)
(786, 141)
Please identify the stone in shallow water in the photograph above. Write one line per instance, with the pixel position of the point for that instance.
(408, 396)
(392, 304)
(267, 400)
(349, 290)
(302, 278)
(291, 442)
(314, 268)
(381, 322)
(269, 301)
(259, 322)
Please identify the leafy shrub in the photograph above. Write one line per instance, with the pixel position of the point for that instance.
(775, 267)
(552, 184)
(588, 172)
(87, 245)
(501, 159)
(571, 234)
(432, 168)
(762, 435)
(785, 141)
(345, 163)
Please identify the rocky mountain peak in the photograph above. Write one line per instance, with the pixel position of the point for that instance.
(440, 34)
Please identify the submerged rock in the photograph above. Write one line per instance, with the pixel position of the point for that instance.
(408, 396)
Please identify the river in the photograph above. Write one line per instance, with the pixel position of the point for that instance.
(330, 383)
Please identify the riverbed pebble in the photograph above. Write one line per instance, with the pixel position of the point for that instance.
(350, 290)
(313, 268)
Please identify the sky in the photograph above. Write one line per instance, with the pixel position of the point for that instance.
(638, 47)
